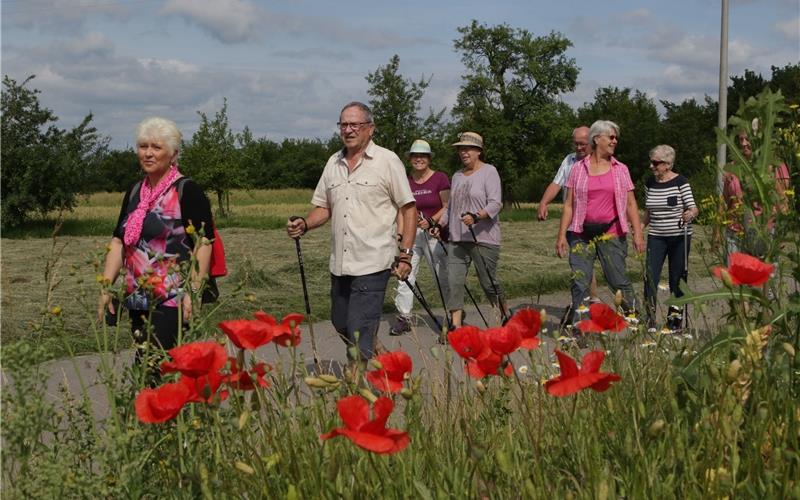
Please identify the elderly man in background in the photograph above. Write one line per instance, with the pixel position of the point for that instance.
(362, 188)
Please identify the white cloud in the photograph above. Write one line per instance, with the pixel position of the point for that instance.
(636, 16)
(789, 29)
(229, 21)
(61, 16)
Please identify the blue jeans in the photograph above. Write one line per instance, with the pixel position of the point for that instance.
(612, 254)
(356, 304)
(660, 248)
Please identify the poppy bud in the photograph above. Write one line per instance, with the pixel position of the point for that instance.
(618, 298)
(655, 428)
(479, 385)
(726, 278)
(733, 370)
(789, 348)
(244, 467)
(406, 393)
(543, 314)
(375, 364)
(243, 419)
(315, 382)
(331, 379)
(368, 395)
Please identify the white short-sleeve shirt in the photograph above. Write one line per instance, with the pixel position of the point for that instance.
(363, 205)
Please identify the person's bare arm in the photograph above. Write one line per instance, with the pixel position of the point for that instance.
(316, 217)
(111, 270)
(548, 196)
(562, 247)
(408, 214)
(632, 211)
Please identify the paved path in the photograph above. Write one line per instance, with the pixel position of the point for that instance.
(84, 372)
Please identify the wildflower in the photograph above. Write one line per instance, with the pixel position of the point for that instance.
(195, 359)
(190, 229)
(503, 340)
(56, 311)
(204, 389)
(154, 406)
(395, 367)
(745, 269)
(663, 287)
(467, 341)
(602, 318)
(573, 379)
(527, 322)
(582, 309)
(488, 363)
(523, 370)
(371, 435)
(247, 333)
(247, 380)
(287, 332)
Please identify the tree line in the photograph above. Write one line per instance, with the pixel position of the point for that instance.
(510, 93)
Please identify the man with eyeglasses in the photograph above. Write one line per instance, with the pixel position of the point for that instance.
(580, 141)
(361, 190)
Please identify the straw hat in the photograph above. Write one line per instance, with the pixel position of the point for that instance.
(469, 139)
(420, 147)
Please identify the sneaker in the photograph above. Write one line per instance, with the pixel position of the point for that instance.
(401, 326)
(675, 319)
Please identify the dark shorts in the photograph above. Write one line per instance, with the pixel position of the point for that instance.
(356, 305)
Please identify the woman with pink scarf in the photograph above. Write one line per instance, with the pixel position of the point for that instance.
(152, 241)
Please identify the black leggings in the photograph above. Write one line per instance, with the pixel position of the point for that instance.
(163, 328)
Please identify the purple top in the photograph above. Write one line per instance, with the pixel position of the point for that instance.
(426, 193)
(470, 193)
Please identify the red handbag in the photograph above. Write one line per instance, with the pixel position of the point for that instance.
(218, 267)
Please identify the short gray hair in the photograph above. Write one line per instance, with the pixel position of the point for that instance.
(602, 127)
(360, 105)
(160, 129)
(664, 152)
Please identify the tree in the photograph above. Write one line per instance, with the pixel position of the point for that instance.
(509, 96)
(638, 120)
(211, 157)
(43, 167)
(689, 128)
(395, 104)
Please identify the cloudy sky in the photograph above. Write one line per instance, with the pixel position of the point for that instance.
(286, 67)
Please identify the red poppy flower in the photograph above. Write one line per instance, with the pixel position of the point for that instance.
(247, 333)
(396, 365)
(467, 341)
(527, 322)
(487, 364)
(154, 406)
(371, 435)
(603, 318)
(195, 359)
(247, 380)
(204, 389)
(287, 332)
(573, 380)
(503, 340)
(746, 270)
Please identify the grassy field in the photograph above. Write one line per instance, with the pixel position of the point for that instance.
(262, 263)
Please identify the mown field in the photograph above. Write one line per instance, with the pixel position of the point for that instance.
(40, 272)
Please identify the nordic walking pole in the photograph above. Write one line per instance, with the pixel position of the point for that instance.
(685, 275)
(469, 294)
(429, 256)
(305, 297)
(485, 268)
(422, 301)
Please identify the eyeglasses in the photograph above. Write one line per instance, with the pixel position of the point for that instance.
(611, 137)
(580, 144)
(656, 163)
(355, 126)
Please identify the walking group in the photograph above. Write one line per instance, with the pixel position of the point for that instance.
(383, 222)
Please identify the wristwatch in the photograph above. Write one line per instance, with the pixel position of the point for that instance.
(407, 251)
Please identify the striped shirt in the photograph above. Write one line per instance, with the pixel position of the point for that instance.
(665, 203)
(579, 183)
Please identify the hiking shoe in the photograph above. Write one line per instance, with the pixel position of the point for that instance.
(401, 326)
(675, 319)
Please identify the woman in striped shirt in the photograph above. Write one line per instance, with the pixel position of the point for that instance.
(669, 210)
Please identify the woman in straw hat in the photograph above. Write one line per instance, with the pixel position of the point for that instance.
(472, 217)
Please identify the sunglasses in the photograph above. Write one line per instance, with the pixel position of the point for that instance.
(656, 163)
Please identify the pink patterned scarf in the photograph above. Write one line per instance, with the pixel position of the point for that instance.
(147, 198)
